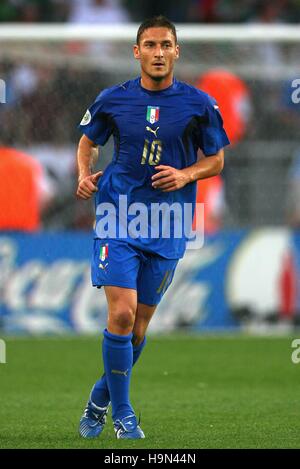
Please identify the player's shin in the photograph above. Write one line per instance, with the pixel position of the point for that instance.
(100, 393)
(117, 358)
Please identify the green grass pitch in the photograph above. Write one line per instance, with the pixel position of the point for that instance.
(192, 392)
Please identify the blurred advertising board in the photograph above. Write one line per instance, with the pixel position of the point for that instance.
(235, 279)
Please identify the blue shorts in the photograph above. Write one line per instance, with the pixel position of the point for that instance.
(117, 263)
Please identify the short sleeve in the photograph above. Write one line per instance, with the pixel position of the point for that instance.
(96, 124)
(211, 134)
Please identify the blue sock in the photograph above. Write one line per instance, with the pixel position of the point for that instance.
(117, 358)
(100, 392)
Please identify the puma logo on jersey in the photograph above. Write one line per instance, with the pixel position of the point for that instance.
(153, 131)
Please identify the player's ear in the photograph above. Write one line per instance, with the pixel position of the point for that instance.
(177, 52)
(136, 51)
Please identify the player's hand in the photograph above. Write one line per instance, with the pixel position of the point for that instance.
(88, 185)
(169, 179)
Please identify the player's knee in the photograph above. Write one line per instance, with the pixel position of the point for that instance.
(124, 318)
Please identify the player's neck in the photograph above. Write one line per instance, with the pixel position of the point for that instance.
(152, 85)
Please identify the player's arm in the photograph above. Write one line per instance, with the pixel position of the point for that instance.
(170, 179)
(86, 155)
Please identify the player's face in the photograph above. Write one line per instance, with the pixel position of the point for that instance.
(157, 52)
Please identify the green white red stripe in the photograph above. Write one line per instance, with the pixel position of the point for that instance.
(152, 114)
(103, 252)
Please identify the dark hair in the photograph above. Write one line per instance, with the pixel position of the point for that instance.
(156, 22)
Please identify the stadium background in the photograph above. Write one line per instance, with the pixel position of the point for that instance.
(244, 282)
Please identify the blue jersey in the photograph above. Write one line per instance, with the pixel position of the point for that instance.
(150, 128)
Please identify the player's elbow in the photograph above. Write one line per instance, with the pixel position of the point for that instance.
(219, 162)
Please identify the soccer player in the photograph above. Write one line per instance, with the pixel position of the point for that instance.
(158, 124)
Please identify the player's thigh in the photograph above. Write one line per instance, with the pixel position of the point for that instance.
(119, 298)
(155, 277)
